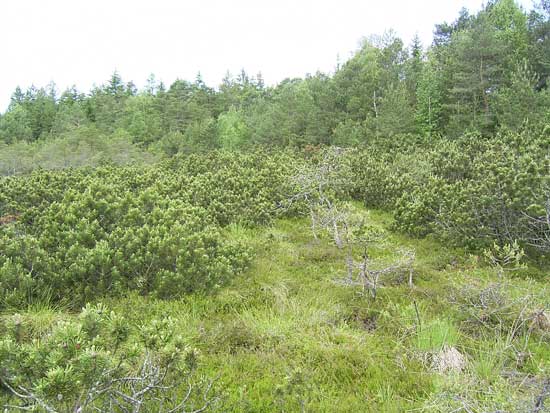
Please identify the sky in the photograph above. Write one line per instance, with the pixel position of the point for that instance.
(82, 42)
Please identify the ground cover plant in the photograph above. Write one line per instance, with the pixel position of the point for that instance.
(251, 302)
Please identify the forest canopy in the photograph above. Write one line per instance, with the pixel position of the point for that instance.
(483, 73)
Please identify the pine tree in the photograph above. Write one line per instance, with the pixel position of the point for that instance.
(429, 99)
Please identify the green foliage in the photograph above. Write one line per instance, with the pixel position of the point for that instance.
(142, 119)
(349, 133)
(104, 241)
(520, 106)
(452, 141)
(480, 191)
(326, 348)
(170, 144)
(394, 113)
(83, 146)
(15, 125)
(232, 130)
(484, 72)
(88, 362)
(504, 257)
(201, 135)
(366, 77)
(154, 230)
(428, 114)
(384, 172)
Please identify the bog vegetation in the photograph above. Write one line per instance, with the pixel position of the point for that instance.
(375, 239)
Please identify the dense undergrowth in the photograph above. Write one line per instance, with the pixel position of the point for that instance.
(285, 336)
(87, 233)
(207, 272)
(470, 191)
(157, 229)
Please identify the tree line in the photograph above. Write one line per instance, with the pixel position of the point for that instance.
(483, 73)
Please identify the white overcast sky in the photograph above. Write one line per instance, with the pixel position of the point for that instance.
(82, 42)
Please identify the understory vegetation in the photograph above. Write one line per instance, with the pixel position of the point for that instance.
(373, 240)
(276, 291)
(286, 335)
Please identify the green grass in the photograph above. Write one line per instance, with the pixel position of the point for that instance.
(436, 335)
(284, 337)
